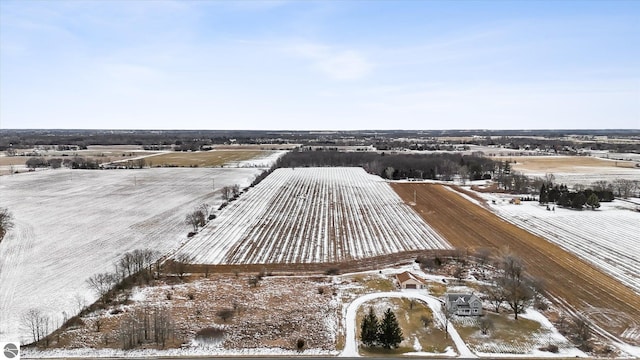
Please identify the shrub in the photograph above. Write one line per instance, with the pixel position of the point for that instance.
(300, 344)
(332, 271)
(552, 348)
(225, 314)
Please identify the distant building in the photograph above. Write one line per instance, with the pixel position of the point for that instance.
(463, 304)
(407, 280)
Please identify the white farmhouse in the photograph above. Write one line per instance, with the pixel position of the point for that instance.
(463, 304)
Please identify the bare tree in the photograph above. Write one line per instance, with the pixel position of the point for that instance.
(235, 189)
(102, 283)
(80, 302)
(180, 263)
(140, 163)
(6, 222)
(448, 314)
(206, 209)
(196, 219)
(549, 178)
(37, 323)
(162, 325)
(227, 192)
(485, 324)
(581, 331)
(459, 272)
(495, 295)
(623, 187)
(512, 281)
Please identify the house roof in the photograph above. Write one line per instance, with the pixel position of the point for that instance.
(404, 276)
(460, 299)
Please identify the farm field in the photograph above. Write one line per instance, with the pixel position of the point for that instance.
(204, 158)
(570, 280)
(311, 215)
(102, 154)
(607, 237)
(572, 170)
(72, 224)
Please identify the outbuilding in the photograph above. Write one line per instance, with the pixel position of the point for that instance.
(407, 280)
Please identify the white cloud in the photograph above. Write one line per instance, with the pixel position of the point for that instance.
(337, 64)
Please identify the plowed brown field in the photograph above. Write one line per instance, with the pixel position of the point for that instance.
(569, 279)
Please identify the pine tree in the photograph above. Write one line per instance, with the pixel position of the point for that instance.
(593, 201)
(579, 200)
(369, 329)
(544, 195)
(390, 334)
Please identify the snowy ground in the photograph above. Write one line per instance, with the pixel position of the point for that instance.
(72, 224)
(306, 215)
(266, 161)
(607, 237)
(267, 308)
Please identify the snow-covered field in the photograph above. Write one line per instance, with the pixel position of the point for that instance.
(72, 224)
(308, 215)
(590, 175)
(607, 237)
(266, 161)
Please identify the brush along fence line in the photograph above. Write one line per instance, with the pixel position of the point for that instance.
(313, 215)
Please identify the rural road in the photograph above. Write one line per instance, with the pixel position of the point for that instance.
(351, 343)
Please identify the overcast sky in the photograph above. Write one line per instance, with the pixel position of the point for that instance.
(319, 65)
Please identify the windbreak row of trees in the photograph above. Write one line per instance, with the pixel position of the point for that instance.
(560, 195)
(397, 166)
(76, 162)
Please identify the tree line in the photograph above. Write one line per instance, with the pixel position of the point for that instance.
(149, 324)
(444, 166)
(560, 195)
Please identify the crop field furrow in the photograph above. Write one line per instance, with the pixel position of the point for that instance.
(608, 237)
(313, 215)
(467, 226)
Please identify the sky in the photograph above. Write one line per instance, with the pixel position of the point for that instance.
(319, 65)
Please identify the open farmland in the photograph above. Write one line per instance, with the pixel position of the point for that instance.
(572, 170)
(307, 215)
(569, 279)
(607, 237)
(72, 224)
(204, 158)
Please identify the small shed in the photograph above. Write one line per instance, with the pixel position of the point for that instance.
(407, 280)
(463, 304)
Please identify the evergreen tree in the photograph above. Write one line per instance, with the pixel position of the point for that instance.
(369, 329)
(564, 200)
(553, 194)
(579, 200)
(390, 334)
(593, 201)
(544, 195)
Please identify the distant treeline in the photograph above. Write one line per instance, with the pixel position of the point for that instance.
(382, 139)
(443, 166)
